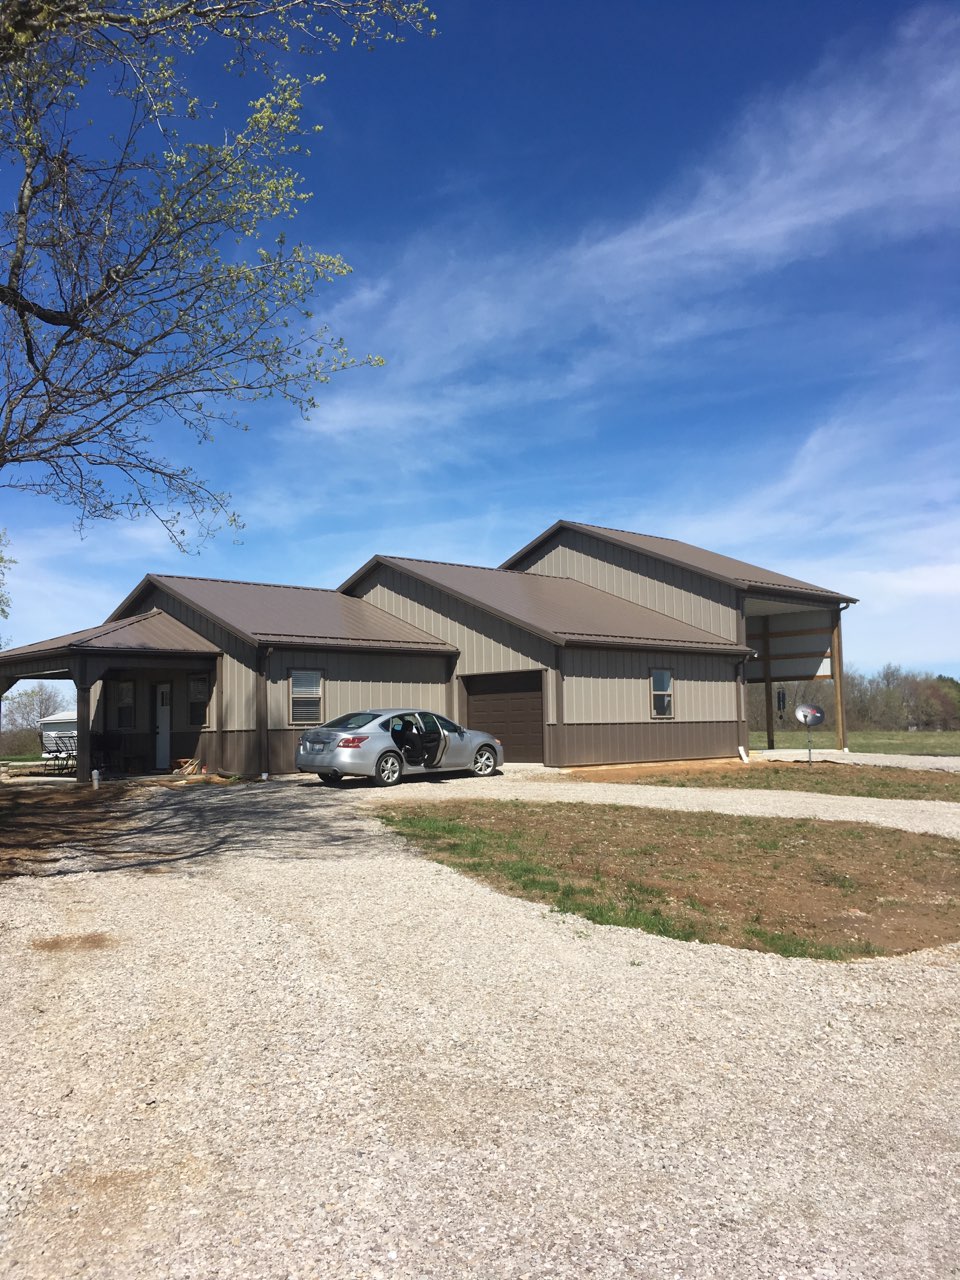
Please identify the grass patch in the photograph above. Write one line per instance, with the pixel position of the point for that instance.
(825, 778)
(873, 741)
(798, 887)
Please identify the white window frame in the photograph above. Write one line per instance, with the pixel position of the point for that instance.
(293, 696)
(670, 692)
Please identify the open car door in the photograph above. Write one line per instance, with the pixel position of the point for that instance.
(434, 741)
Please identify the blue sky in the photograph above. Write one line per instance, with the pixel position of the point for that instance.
(691, 272)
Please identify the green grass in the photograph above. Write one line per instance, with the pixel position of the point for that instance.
(822, 777)
(792, 946)
(796, 887)
(871, 741)
(499, 858)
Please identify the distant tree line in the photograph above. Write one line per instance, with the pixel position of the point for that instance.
(892, 699)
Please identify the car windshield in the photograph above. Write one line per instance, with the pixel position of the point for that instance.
(353, 720)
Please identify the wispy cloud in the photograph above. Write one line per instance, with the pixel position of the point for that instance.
(862, 154)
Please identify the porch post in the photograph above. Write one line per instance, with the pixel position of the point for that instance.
(84, 763)
(836, 669)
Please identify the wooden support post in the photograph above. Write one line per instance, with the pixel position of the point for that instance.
(767, 684)
(836, 670)
(84, 759)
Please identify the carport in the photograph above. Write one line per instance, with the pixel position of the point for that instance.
(144, 646)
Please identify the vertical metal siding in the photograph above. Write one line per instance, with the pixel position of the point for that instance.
(568, 745)
(487, 644)
(612, 686)
(355, 680)
(672, 590)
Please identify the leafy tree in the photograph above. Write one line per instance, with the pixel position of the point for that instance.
(5, 563)
(145, 278)
(25, 709)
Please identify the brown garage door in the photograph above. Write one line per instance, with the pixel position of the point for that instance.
(511, 707)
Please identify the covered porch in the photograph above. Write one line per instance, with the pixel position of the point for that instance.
(148, 692)
(795, 640)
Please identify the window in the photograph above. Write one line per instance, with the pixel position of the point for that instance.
(125, 704)
(661, 692)
(198, 699)
(305, 690)
(448, 725)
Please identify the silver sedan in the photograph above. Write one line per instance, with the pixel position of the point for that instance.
(389, 745)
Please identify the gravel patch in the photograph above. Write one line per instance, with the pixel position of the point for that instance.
(305, 1051)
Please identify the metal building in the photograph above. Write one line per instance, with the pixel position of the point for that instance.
(589, 645)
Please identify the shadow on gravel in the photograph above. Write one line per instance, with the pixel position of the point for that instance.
(159, 828)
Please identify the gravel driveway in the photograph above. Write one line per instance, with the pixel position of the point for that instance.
(304, 1051)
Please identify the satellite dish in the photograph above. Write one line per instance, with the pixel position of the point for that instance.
(809, 715)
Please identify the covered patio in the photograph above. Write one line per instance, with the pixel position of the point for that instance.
(147, 691)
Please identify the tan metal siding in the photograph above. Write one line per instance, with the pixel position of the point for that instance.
(487, 644)
(671, 590)
(356, 680)
(613, 686)
(570, 745)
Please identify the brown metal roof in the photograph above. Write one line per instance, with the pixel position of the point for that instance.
(272, 614)
(155, 632)
(559, 609)
(738, 573)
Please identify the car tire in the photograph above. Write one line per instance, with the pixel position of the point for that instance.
(389, 770)
(484, 762)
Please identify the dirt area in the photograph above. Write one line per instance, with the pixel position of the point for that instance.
(778, 775)
(46, 828)
(796, 887)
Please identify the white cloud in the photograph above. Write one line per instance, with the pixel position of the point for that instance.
(861, 154)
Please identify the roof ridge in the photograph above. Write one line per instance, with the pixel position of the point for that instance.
(609, 528)
(242, 582)
(451, 564)
(120, 623)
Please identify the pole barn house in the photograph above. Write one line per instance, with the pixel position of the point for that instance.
(589, 645)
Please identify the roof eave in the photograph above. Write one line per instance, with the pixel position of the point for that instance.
(571, 640)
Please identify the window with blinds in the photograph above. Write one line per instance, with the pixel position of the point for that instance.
(306, 690)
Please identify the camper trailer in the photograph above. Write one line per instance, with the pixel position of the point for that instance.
(58, 737)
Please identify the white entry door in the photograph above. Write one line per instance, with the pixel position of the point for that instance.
(163, 726)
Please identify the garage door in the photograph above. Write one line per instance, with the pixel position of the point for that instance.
(510, 707)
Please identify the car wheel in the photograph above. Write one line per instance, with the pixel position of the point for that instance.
(389, 770)
(484, 762)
